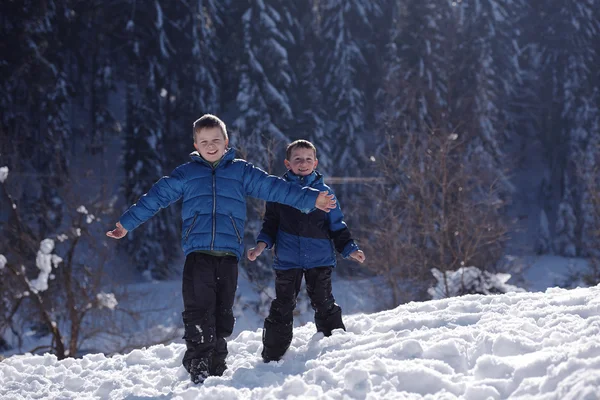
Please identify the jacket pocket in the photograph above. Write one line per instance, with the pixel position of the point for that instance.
(237, 233)
(187, 233)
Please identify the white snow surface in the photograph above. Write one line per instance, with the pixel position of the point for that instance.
(515, 345)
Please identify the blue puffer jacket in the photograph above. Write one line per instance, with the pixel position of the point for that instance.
(305, 240)
(214, 201)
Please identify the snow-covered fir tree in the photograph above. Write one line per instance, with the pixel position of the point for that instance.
(148, 113)
(307, 96)
(193, 85)
(165, 96)
(414, 89)
(483, 79)
(345, 30)
(564, 60)
(94, 65)
(230, 37)
(263, 98)
(34, 96)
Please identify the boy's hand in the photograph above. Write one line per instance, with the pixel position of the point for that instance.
(118, 232)
(325, 202)
(358, 255)
(254, 252)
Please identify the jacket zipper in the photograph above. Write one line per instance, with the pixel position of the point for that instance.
(187, 233)
(237, 233)
(214, 213)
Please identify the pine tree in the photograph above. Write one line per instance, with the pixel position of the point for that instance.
(230, 39)
(565, 58)
(415, 88)
(154, 246)
(94, 64)
(485, 75)
(346, 31)
(194, 81)
(306, 95)
(34, 96)
(263, 98)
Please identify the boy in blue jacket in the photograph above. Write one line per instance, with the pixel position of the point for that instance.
(214, 186)
(305, 245)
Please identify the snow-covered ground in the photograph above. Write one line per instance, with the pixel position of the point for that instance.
(516, 345)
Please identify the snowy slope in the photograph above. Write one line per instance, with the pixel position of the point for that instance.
(517, 346)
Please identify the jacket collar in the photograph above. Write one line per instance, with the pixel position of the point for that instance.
(228, 156)
(309, 180)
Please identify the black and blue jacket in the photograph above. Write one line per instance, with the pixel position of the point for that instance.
(214, 201)
(305, 240)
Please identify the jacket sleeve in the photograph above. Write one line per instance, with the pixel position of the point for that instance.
(259, 184)
(163, 193)
(268, 233)
(339, 232)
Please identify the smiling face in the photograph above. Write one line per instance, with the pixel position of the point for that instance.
(302, 161)
(210, 143)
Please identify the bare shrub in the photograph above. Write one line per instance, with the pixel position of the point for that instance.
(56, 293)
(436, 209)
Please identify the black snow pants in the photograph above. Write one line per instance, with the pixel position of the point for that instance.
(278, 327)
(209, 285)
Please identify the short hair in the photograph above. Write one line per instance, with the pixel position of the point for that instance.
(299, 144)
(209, 121)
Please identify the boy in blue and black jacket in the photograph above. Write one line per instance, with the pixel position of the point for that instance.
(305, 246)
(213, 186)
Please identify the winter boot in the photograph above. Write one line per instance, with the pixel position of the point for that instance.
(198, 369)
(217, 367)
(276, 338)
(269, 355)
(329, 317)
(217, 363)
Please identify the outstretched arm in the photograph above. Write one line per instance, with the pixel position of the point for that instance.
(261, 185)
(167, 190)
